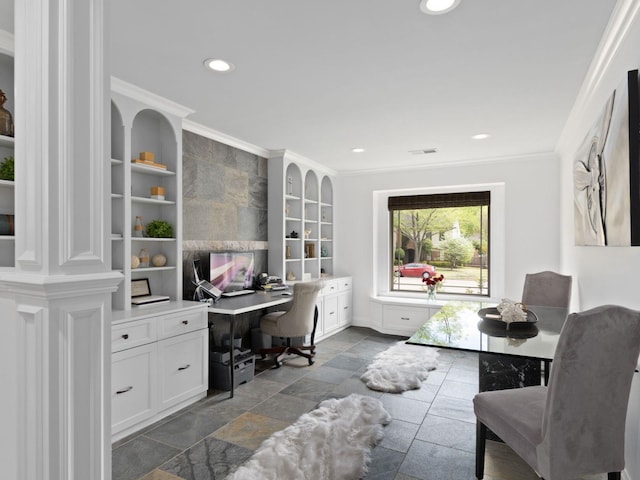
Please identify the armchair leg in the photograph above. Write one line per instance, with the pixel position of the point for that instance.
(614, 476)
(481, 441)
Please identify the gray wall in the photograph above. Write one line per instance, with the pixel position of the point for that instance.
(224, 209)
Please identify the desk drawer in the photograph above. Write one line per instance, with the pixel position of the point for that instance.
(132, 334)
(345, 284)
(177, 324)
(329, 288)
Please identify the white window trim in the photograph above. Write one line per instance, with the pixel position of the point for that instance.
(382, 238)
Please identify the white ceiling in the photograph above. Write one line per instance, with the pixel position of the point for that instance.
(319, 78)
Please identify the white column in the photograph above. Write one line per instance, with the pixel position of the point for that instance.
(56, 302)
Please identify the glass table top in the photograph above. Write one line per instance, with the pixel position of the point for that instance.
(459, 326)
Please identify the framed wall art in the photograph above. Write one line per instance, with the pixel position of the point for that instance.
(607, 173)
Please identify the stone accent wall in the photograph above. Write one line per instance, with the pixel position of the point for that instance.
(224, 209)
(224, 203)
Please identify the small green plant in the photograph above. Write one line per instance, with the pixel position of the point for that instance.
(6, 169)
(159, 229)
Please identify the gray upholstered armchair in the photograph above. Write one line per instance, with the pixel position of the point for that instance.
(299, 321)
(576, 425)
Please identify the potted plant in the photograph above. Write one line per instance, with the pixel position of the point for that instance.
(7, 169)
(159, 229)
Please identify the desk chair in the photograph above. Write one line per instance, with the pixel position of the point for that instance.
(547, 289)
(299, 321)
(574, 426)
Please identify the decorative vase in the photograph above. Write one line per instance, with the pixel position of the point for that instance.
(135, 262)
(144, 258)
(6, 120)
(431, 293)
(138, 228)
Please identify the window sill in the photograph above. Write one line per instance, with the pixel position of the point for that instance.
(399, 298)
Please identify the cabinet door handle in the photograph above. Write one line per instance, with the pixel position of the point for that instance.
(124, 390)
(405, 318)
(331, 313)
(346, 308)
(125, 336)
(185, 322)
(184, 368)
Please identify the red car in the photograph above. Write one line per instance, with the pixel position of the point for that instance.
(423, 270)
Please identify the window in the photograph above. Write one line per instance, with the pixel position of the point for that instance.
(440, 234)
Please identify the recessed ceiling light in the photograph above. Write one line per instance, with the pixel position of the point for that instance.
(357, 150)
(218, 65)
(438, 7)
(480, 136)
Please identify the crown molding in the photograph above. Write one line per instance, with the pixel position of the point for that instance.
(623, 17)
(212, 134)
(452, 164)
(7, 43)
(300, 159)
(150, 98)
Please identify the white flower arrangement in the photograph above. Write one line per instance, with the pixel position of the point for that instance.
(512, 311)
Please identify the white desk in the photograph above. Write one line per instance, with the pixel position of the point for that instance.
(233, 306)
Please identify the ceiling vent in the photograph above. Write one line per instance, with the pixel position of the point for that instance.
(423, 151)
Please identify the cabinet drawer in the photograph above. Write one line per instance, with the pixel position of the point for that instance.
(183, 367)
(404, 319)
(329, 288)
(177, 324)
(133, 388)
(345, 284)
(132, 334)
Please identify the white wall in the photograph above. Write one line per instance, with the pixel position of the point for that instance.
(532, 238)
(605, 275)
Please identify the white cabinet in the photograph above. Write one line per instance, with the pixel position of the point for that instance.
(133, 386)
(301, 229)
(183, 371)
(159, 363)
(335, 298)
(399, 316)
(330, 316)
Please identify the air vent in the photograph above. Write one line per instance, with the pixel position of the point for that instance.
(423, 151)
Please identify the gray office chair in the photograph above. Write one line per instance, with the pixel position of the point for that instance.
(548, 289)
(574, 426)
(299, 321)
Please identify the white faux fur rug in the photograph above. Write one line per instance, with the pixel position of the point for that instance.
(400, 367)
(333, 442)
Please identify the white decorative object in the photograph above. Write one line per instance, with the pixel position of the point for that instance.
(340, 433)
(400, 367)
(135, 262)
(512, 311)
(159, 260)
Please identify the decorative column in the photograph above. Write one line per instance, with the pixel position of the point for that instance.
(56, 302)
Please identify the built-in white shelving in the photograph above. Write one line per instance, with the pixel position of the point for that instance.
(301, 221)
(7, 149)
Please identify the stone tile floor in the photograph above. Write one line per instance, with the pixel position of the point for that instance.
(431, 436)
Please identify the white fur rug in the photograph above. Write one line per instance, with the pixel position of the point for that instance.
(333, 442)
(400, 367)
